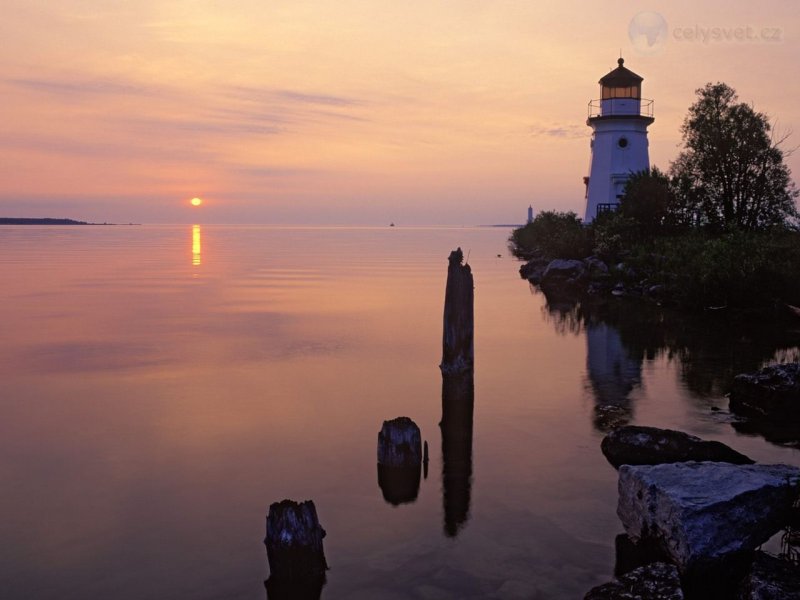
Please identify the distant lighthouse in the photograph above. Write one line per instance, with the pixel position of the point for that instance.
(530, 214)
(619, 121)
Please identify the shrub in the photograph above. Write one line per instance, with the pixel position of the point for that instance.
(552, 235)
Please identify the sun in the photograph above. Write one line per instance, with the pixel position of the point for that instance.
(196, 201)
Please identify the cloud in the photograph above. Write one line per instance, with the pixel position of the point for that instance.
(262, 94)
(570, 131)
(71, 86)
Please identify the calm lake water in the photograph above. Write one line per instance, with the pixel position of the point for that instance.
(161, 386)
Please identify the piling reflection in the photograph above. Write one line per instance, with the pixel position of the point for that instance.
(399, 485)
(305, 590)
(400, 459)
(196, 245)
(458, 399)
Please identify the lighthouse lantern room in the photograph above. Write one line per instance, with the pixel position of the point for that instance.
(619, 121)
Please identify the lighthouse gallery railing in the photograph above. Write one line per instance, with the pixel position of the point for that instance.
(615, 107)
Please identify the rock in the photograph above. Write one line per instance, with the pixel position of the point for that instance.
(399, 443)
(630, 555)
(656, 581)
(561, 269)
(595, 266)
(294, 542)
(533, 270)
(701, 512)
(771, 578)
(608, 417)
(634, 445)
(771, 393)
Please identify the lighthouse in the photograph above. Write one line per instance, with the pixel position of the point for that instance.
(619, 121)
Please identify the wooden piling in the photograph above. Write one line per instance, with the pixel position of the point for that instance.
(399, 460)
(294, 543)
(457, 340)
(399, 443)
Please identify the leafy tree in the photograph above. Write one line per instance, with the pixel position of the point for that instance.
(648, 201)
(731, 172)
(553, 234)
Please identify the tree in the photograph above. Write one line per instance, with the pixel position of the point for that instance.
(731, 172)
(553, 235)
(648, 200)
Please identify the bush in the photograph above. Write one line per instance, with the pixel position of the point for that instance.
(614, 235)
(739, 269)
(552, 235)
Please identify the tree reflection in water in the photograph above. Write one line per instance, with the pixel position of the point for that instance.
(709, 349)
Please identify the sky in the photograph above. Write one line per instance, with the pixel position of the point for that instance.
(363, 112)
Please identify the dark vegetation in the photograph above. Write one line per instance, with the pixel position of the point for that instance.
(36, 221)
(719, 230)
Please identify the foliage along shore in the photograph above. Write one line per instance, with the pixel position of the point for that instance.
(745, 272)
(46, 221)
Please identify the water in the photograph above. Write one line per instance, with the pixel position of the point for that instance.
(161, 386)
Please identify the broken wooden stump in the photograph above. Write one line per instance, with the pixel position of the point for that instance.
(399, 460)
(294, 545)
(457, 340)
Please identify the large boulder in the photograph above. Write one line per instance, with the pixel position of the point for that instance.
(771, 393)
(533, 270)
(562, 269)
(702, 512)
(635, 445)
(595, 266)
(656, 581)
(771, 579)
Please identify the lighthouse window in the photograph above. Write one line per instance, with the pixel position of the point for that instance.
(622, 142)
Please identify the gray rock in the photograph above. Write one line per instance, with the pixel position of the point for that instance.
(533, 270)
(656, 581)
(634, 445)
(595, 265)
(399, 443)
(771, 393)
(562, 269)
(702, 512)
(771, 579)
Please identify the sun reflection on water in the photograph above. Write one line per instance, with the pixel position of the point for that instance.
(196, 245)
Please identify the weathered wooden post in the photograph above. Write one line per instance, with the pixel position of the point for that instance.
(458, 392)
(457, 342)
(399, 460)
(294, 550)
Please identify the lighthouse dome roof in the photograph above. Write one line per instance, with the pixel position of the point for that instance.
(620, 77)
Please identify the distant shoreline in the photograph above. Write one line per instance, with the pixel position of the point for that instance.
(47, 221)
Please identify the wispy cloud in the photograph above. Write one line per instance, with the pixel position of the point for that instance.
(68, 86)
(261, 94)
(570, 131)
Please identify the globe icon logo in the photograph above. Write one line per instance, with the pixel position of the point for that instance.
(648, 32)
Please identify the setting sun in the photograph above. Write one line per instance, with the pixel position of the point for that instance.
(196, 201)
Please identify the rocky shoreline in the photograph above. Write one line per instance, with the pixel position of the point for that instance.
(696, 512)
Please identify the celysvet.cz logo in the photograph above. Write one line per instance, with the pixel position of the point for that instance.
(649, 33)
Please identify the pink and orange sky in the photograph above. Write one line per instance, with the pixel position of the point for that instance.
(351, 111)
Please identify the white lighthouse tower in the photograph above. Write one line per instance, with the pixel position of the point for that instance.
(619, 121)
